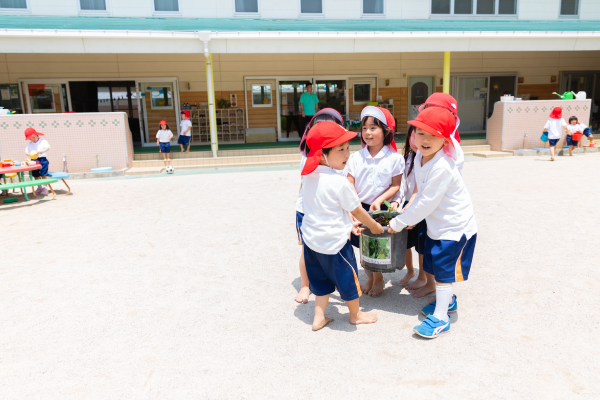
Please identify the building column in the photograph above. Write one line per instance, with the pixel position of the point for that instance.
(212, 115)
(446, 76)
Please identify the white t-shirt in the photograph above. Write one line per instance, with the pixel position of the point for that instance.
(164, 135)
(373, 175)
(39, 145)
(184, 125)
(328, 197)
(579, 127)
(555, 128)
(299, 207)
(442, 200)
(408, 184)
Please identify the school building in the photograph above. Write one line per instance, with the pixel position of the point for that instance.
(149, 59)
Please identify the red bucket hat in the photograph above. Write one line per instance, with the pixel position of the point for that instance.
(29, 132)
(436, 121)
(556, 113)
(186, 112)
(383, 115)
(446, 101)
(163, 122)
(324, 135)
(329, 111)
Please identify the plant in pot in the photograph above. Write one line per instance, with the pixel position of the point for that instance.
(384, 252)
(222, 103)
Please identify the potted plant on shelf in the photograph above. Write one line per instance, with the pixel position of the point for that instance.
(384, 252)
(222, 103)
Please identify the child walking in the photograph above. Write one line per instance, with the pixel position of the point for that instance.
(163, 139)
(328, 197)
(555, 127)
(574, 128)
(375, 171)
(185, 132)
(326, 114)
(39, 147)
(443, 200)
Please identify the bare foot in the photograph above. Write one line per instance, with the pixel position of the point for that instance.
(378, 284)
(321, 324)
(425, 290)
(366, 288)
(419, 282)
(302, 296)
(407, 277)
(363, 318)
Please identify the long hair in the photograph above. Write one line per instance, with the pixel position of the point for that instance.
(408, 150)
(319, 118)
(388, 135)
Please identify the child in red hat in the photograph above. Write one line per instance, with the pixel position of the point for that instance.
(163, 139)
(185, 132)
(38, 147)
(328, 197)
(444, 202)
(555, 127)
(376, 174)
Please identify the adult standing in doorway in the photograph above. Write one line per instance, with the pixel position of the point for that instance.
(309, 105)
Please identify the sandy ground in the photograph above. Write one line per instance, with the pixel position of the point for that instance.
(180, 287)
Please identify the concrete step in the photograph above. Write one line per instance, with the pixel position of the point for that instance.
(158, 170)
(492, 154)
(559, 152)
(289, 158)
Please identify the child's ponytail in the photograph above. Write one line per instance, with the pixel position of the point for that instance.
(408, 149)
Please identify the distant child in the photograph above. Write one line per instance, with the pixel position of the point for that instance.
(328, 197)
(555, 127)
(163, 139)
(443, 200)
(39, 147)
(185, 131)
(375, 171)
(574, 127)
(326, 114)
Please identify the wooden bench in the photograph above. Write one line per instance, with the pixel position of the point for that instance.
(30, 183)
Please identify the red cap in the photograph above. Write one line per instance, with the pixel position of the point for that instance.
(163, 122)
(29, 132)
(186, 112)
(324, 135)
(329, 111)
(556, 113)
(436, 121)
(446, 101)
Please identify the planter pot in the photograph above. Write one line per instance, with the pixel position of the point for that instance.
(385, 252)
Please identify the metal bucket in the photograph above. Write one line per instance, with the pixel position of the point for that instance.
(385, 252)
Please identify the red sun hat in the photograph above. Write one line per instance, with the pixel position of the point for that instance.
(163, 122)
(446, 101)
(384, 115)
(324, 135)
(29, 132)
(186, 112)
(436, 121)
(556, 113)
(328, 111)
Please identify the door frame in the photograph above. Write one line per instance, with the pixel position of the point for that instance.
(408, 78)
(24, 87)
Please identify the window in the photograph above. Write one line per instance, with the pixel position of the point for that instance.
(362, 93)
(168, 6)
(311, 7)
(261, 96)
(569, 8)
(475, 7)
(373, 7)
(92, 5)
(162, 98)
(13, 5)
(246, 6)
(42, 98)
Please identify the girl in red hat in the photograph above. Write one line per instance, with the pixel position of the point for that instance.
(185, 132)
(375, 171)
(328, 198)
(326, 114)
(555, 127)
(38, 147)
(163, 140)
(444, 202)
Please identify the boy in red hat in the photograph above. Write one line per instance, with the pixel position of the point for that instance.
(185, 132)
(555, 127)
(39, 147)
(328, 197)
(163, 139)
(443, 200)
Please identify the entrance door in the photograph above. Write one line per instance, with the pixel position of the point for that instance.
(471, 95)
(158, 101)
(588, 82)
(420, 89)
(290, 121)
(332, 94)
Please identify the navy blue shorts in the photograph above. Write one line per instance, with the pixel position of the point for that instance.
(587, 132)
(42, 171)
(328, 272)
(552, 142)
(184, 140)
(417, 236)
(571, 142)
(299, 217)
(355, 240)
(449, 261)
(165, 147)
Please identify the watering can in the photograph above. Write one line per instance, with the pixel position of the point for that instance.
(579, 95)
(565, 96)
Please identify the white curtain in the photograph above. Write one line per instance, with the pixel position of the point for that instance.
(246, 6)
(311, 6)
(166, 5)
(93, 4)
(13, 3)
(373, 6)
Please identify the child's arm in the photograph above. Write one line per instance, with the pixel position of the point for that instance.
(388, 194)
(360, 214)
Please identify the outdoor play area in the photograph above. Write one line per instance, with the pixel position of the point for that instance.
(181, 286)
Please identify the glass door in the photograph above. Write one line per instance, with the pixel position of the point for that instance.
(588, 82)
(332, 94)
(291, 117)
(471, 95)
(158, 101)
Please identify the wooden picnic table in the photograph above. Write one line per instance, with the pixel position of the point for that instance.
(20, 171)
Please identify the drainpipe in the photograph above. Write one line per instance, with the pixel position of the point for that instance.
(446, 72)
(214, 145)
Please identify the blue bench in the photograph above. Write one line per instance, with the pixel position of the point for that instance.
(62, 176)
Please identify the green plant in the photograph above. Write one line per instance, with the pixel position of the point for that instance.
(376, 248)
(223, 103)
(385, 214)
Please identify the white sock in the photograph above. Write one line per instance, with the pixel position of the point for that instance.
(443, 298)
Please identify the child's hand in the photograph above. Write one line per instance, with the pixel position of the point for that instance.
(390, 230)
(378, 229)
(395, 205)
(356, 230)
(376, 206)
(410, 227)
